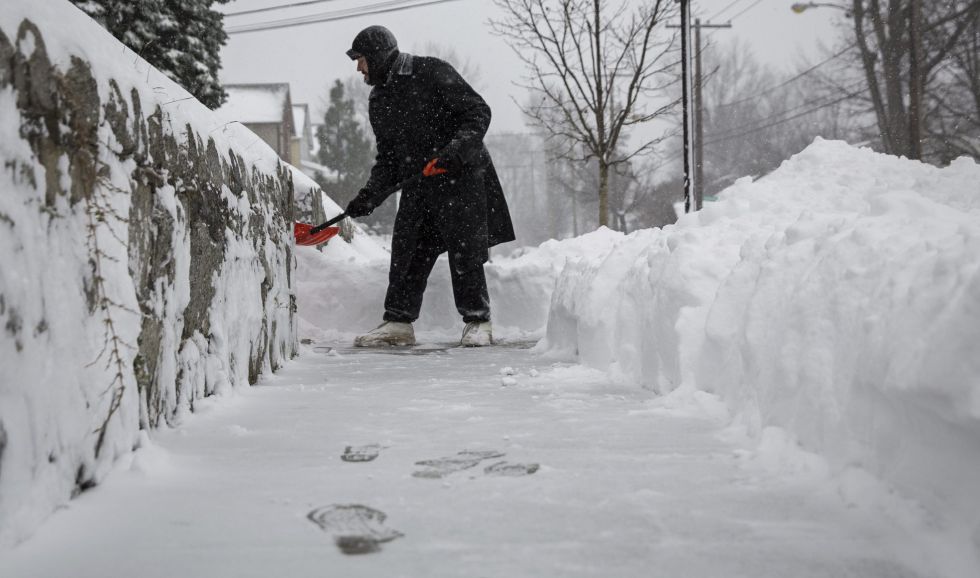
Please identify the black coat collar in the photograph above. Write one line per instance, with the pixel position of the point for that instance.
(402, 65)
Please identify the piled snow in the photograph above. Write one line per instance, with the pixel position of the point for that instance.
(837, 300)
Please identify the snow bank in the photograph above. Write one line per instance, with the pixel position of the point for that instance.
(146, 249)
(837, 299)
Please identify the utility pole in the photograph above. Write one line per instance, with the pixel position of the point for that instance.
(686, 99)
(699, 114)
(693, 135)
(916, 83)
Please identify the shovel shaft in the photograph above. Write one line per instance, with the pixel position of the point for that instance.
(332, 221)
(385, 194)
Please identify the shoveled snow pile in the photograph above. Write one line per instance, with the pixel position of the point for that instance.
(834, 305)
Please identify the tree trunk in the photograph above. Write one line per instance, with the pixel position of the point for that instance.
(916, 84)
(868, 59)
(894, 48)
(603, 193)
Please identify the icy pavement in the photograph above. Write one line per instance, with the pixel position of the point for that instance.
(457, 463)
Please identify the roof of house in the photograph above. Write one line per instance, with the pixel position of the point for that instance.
(256, 103)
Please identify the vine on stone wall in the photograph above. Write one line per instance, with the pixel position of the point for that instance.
(101, 215)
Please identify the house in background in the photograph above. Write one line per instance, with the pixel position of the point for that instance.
(302, 134)
(305, 146)
(310, 164)
(266, 110)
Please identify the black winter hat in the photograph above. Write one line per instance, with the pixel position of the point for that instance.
(372, 41)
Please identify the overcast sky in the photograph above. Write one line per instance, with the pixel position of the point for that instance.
(310, 57)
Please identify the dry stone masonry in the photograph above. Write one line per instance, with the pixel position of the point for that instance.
(147, 266)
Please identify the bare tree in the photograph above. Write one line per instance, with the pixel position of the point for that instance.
(658, 202)
(882, 35)
(591, 63)
(576, 182)
(752, 124)
(520, 162)
(953, 105)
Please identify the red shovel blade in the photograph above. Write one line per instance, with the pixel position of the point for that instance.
(303, 237)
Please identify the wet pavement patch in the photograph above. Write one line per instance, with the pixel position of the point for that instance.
(356, 529)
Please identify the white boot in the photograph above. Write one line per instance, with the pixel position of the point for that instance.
(387, 334)
(477, 334)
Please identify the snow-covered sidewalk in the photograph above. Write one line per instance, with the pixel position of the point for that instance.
(569, 475)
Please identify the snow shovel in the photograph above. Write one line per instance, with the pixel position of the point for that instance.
(303, 232)
(309, 235)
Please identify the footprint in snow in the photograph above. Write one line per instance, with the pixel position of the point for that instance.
(356, 529)
(361, 453)
(509, 469)
(464, 460)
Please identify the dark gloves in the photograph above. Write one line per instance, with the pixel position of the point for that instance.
(359, 206)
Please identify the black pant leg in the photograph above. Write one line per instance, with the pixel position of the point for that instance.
(470, 292)
(403, 301)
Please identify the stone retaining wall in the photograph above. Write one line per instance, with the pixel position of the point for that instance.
(147, 265)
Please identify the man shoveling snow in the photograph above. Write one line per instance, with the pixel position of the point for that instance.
(427, 119)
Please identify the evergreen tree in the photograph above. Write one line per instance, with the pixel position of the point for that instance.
(347, 149)
(181, 38)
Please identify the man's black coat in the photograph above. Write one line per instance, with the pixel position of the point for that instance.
(423, 110)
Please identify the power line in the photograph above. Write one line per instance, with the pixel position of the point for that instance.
(727, 137)
(750, 6)
(281, 7)
(725, 9)
(379, 8)
(791, 80)
(322, 16)
(849, 92)
(831, 58)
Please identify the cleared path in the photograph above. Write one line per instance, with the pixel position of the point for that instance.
(551, 471)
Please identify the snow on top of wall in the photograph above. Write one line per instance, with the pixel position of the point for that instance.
(310, 168)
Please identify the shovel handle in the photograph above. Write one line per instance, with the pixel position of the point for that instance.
(332, 221)
(386, 193)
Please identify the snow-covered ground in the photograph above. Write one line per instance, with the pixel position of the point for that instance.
(576, 476)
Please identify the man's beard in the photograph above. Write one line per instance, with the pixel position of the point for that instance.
(370, 80)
